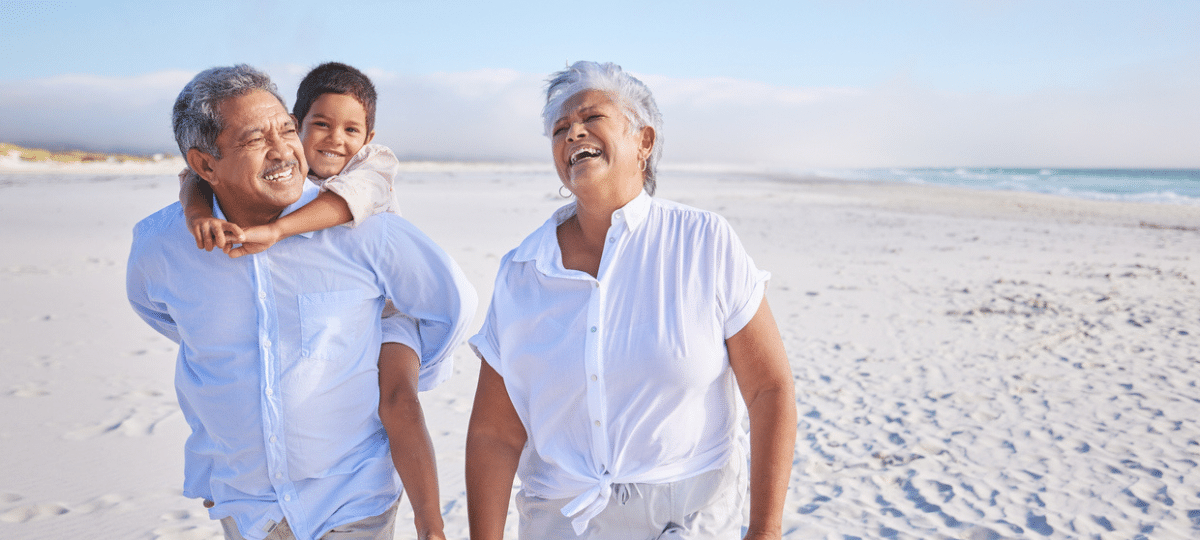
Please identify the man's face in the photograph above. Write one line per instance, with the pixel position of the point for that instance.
(262, 167)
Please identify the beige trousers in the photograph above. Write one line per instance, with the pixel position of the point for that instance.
(381, 527)
(705, 507)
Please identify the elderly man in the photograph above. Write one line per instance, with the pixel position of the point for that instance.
(280, 372)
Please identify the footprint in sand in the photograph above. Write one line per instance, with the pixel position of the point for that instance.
(101, 503)
(141, 420)
(33, 512)
(177, 529)
(29, 389)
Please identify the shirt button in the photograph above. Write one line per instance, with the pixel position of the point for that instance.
(270, 392)
(597, 423)
(266, 343)
(262, 295)
(274, 439)
(593, 329)
(594, 377)
(611, 240)
(287, 497)
(278, 475)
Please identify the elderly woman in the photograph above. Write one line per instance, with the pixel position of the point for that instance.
(619, 337)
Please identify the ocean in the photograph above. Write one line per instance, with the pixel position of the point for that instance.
(1165, 186)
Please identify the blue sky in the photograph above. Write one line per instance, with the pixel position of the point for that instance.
(801, 83)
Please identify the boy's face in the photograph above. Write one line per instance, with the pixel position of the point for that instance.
(334, 129)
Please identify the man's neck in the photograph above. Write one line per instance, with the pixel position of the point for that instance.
(245, 218)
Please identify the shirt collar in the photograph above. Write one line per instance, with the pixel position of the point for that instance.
(310, 192)
(543, 243)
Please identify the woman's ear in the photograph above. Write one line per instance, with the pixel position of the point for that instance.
(647, 146)
(202, 164)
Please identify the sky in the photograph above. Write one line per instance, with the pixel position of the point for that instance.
(798, 84)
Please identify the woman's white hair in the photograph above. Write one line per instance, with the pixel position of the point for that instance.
(632, 95)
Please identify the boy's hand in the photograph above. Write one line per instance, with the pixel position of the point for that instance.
(255, 239)
(211, 232)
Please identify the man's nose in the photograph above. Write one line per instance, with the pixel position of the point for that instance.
(278, 147)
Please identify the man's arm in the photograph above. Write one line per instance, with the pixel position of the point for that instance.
(412, 449)
(196, 196)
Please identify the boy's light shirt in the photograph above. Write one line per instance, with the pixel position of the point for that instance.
(366, 183)
(277, 371)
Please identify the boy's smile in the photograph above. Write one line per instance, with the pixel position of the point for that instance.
(334, 129)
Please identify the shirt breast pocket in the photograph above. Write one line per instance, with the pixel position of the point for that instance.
(333, 322)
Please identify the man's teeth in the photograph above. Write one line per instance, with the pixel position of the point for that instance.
(286, 173)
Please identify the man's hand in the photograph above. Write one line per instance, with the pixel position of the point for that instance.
(256, 239)
(211, 232)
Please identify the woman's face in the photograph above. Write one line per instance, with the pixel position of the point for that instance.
(594, 148)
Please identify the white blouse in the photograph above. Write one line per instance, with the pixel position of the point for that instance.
(623, 378)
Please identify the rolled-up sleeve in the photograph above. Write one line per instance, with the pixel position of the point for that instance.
(434, 300)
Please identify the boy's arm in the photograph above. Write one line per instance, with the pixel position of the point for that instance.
(196, 197)
(412, 449)
(323, 212)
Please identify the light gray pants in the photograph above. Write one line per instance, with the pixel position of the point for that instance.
(381, 527)
(704, 507)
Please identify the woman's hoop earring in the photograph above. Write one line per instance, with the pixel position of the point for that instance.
(560, 193)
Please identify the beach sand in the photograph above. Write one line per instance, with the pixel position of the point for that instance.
(968, 365)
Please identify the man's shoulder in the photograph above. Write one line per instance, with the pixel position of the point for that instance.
(165, 221)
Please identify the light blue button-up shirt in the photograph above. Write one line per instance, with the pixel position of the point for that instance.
(277, 373)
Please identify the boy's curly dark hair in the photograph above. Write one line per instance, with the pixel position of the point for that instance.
(335, 78)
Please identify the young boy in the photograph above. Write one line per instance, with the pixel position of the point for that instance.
(335, 109)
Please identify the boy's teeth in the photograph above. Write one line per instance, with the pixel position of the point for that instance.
(328, 154)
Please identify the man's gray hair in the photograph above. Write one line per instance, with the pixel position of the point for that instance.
(195, 117)
(624, 89)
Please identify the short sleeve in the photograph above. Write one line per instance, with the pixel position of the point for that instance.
(485, 345)
(742, 284)
(366, 183)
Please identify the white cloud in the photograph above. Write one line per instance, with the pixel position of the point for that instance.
(1143, 120)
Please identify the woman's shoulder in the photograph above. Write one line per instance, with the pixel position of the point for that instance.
(685, 215)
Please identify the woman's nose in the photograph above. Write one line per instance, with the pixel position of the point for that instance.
(575, 132)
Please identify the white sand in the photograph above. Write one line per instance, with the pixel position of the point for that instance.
(969, 364)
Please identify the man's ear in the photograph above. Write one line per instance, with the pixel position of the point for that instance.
(202, 163)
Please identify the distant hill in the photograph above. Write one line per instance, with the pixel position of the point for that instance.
(72, 156)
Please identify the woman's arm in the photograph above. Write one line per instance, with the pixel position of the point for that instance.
(495, 439)
(412, 449)
(764, 377)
